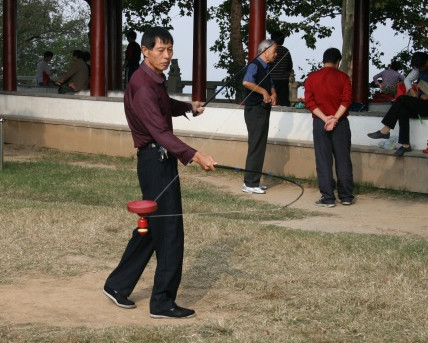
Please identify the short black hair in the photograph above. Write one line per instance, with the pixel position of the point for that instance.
(149, 37)
(331, 55)
(131, 34)
(78, 53)
(395, 65)
(278, 37)
(419, 59)
(48, 54)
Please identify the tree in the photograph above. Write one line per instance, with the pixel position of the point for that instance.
(405, 16)
(56, 25)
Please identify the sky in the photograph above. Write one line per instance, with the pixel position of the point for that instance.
(183, 45)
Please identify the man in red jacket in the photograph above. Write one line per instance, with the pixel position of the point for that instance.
(328, 95)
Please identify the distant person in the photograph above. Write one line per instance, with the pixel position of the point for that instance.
(260, 96)
(132, 56)
(77, 77)
(402, 109)
(388, 79)
(328, 95)
(44, 71)
(86, 56)
(281, 69)
(419, 63)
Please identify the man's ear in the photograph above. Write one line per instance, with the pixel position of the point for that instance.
(144, 50)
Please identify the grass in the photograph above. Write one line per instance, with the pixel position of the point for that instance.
(262, 283)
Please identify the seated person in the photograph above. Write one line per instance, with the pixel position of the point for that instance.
(43, 71)
(77, 77)
(390, 78)
(419, 63)
(402, 109)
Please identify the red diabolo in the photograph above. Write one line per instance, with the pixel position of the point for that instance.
(142, 208)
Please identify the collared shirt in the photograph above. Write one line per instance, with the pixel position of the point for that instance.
(149, 111)
(250, 75)
(390, 77)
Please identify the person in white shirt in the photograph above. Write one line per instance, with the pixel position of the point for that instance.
(43, 71)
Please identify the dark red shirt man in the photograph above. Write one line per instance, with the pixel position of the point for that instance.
(149, 111)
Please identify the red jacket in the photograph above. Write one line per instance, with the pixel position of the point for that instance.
(327, 89)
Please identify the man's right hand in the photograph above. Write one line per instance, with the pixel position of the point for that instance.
(205, 161)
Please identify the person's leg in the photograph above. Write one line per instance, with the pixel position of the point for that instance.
(140, 247)
(341, 139)
(411, 108)
(257, 121)
(324, 161)
(168, 236)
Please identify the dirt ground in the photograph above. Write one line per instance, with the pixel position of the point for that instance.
(79, 301)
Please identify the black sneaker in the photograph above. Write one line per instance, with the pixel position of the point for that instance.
(175, 312)
(119, 299)
(322, 203)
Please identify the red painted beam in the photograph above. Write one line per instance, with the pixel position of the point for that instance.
(98, 38)
(360, 63)
(199, 77)
(9, 45)
(257, 26)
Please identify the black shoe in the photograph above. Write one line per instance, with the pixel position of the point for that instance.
(347, 202)
(175, 312)
(119, 299)
(402, 150)
(323, 203)
(378, 135)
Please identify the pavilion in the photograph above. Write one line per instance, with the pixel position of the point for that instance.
(96, 123)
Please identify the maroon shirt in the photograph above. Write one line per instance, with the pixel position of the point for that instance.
(149, 111)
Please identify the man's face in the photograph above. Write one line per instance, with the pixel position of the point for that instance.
(159, 58)
(270, 53)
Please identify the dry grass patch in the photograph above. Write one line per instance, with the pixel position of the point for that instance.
(249, 281)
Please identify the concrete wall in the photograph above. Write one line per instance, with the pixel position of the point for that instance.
(98, 125)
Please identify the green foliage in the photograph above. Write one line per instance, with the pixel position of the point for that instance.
(56, 25)
(406, 17)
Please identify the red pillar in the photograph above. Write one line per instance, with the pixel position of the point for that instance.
(114, 44)
(98, 64)
(9, 45)
(360, 62)
(199, 79)
(257, 26)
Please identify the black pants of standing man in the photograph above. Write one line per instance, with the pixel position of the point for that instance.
(328, 145)
(165, 237)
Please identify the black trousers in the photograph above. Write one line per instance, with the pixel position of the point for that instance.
(257, 121)
(282, 91)
(328, 145)
(405, 107)
(165, 237)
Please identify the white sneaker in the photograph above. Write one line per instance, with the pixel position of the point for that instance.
(255, 190)
(261, 186)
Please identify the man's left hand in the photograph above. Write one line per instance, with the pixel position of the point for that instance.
(197, 108)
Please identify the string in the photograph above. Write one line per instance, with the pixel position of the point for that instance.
(212, 135)
(219, 166)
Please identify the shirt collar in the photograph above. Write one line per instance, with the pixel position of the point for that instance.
(158, 78)
(264, 64)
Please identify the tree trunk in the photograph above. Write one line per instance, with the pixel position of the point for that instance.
(348, 35)
(236, 46)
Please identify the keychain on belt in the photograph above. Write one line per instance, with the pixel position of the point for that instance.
(163, 154)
